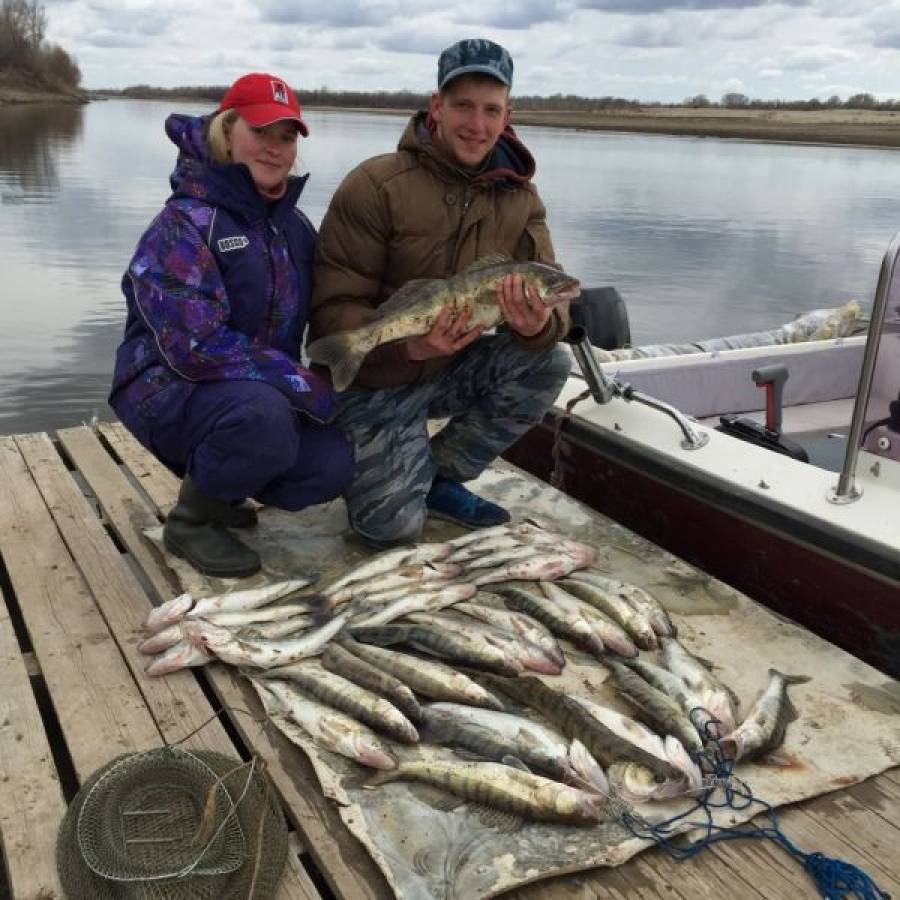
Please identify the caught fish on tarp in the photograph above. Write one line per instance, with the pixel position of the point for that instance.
(573, 720)
(427, 677)
(720, 700)
(345, 695)
(561, 622)
(498, 735)
(617, 607)
(764, 728)
(614, 638)
(336, 658)
(467, 650)
(411, 603)
(633, 783)
(529, 655)
(414, 308)
(335, 731)
(641, 599)
(661, 710)
(524, 626)
(502, 787)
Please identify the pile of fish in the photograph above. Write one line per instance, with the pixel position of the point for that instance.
(408, 665)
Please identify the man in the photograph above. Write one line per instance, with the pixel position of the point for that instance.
(457, 189)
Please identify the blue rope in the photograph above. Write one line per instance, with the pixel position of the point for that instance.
(834, 879)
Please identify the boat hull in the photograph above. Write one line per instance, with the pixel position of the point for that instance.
(845, 592)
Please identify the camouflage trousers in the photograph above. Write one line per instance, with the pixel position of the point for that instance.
(492, 393)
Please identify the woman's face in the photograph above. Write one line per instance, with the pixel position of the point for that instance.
(268, 152)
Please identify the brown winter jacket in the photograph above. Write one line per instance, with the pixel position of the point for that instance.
(414, 214)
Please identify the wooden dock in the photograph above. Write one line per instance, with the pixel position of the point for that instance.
(77, 580)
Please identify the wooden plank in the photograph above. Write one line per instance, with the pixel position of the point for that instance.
(159, 483)
(178, 705)
(118, 590)
(347, 866)
(99, 708)
(31, 802)
(177, 702)
(124, 509)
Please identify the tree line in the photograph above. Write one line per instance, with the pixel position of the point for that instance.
(23, 26)
(406, 100)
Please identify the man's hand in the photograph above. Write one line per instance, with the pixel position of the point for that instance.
(448, 335)
(522, 307)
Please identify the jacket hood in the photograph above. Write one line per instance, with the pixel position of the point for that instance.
(198, 176)
(509, 161)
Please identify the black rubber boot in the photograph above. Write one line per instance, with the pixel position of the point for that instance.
(194, 530)
(241, 514)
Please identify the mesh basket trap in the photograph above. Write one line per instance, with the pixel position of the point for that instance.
(172, 824)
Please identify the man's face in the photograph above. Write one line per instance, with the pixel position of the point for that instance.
(471, 113)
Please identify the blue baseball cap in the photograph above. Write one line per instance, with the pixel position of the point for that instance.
(475, 55)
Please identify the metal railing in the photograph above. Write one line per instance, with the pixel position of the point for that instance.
(603, 389)
(846, 490)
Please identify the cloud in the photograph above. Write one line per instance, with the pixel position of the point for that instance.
(519, 17)
(333, 13)
(643, 7)
(659, 34)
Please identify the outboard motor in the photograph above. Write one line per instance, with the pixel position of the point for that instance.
(771, 379)
(601, 313)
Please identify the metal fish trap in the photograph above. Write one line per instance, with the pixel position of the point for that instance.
(172, 824)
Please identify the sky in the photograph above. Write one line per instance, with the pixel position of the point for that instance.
(648, 50)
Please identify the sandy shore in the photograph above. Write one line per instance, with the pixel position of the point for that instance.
(834, 126)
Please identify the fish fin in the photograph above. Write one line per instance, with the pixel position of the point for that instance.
(504, 822)
(339, 353)
(490, 259)
(437, 798)
(382, 635)
(515, 763)
(369, 780)
(404, 296)
(790, 679)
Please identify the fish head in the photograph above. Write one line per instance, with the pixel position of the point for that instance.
(553, 285)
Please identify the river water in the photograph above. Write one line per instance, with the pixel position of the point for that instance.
(702, 237)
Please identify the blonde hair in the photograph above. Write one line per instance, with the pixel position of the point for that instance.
(218, 132)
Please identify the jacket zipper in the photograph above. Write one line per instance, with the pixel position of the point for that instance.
(463, 209)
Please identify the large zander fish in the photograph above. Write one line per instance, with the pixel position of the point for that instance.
(413, 309)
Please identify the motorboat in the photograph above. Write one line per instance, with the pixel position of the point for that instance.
(774, 468)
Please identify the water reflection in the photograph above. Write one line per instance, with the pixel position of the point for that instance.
(30, 142)
(701, 237)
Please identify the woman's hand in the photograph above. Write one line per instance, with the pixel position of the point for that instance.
(448, 335)
(522, 307)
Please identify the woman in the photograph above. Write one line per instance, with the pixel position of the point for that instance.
(207, 376)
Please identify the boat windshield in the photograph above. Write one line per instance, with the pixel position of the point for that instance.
(881, 434)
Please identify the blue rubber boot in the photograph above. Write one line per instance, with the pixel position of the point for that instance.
(451, 500)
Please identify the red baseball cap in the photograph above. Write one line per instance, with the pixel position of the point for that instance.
(262, 99)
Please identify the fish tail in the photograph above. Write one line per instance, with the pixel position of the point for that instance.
(342, 353)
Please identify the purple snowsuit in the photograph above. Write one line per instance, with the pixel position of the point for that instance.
(207, 376)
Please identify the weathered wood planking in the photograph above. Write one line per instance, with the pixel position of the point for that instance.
(345, 864)
(99, 707)
(177, 702)
(861, 830)
(31, 802)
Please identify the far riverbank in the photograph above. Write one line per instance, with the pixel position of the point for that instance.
(19, 87)
(861, 127)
